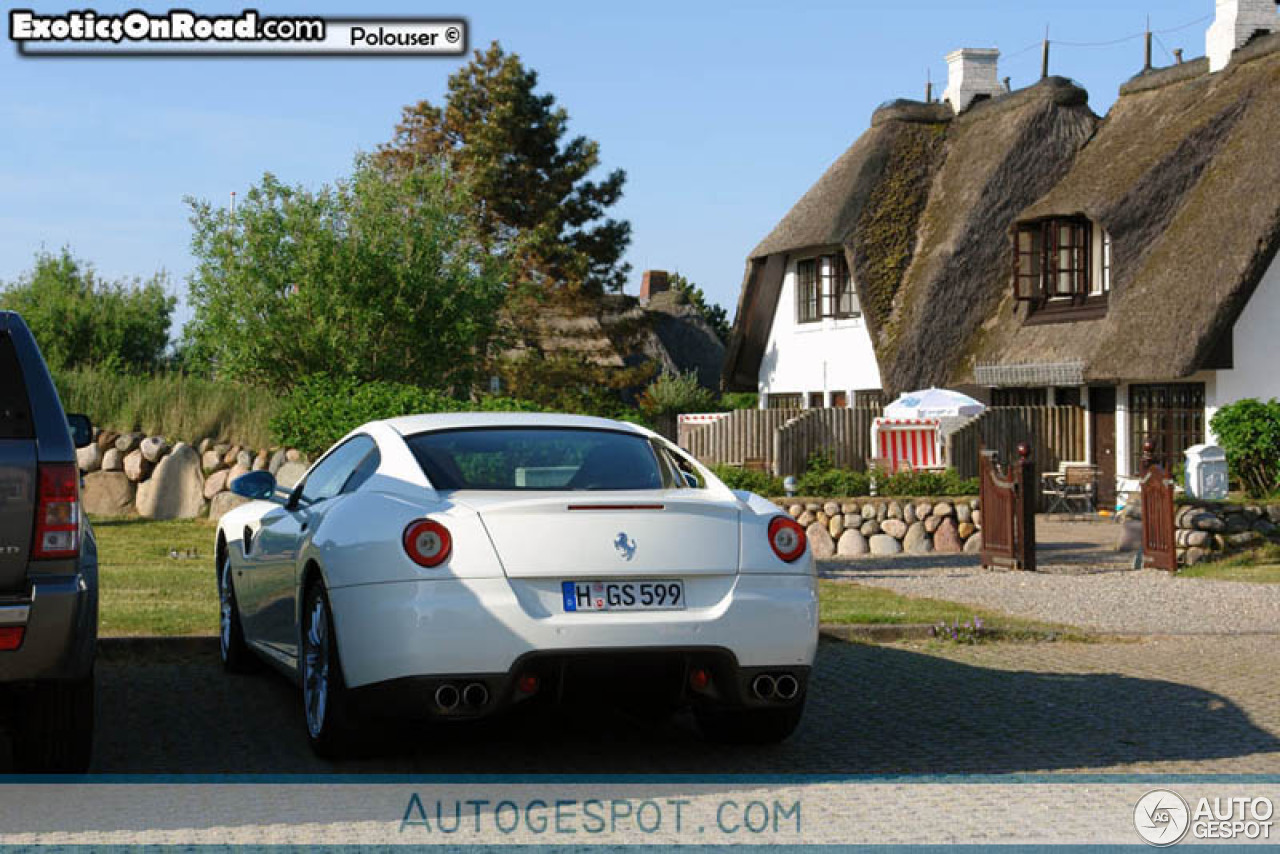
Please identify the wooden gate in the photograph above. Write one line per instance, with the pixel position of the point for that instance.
(1159, 544)
(1008, 502)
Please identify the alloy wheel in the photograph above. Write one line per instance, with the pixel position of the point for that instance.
(315, 666)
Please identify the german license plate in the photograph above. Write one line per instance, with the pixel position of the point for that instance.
(657, 595)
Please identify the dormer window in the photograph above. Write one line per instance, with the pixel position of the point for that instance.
(1062, 268)
(824, 288)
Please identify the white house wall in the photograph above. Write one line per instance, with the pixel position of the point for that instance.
(1255, 348)
(828, 355)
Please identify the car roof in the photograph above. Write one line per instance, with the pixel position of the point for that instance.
(409, 425)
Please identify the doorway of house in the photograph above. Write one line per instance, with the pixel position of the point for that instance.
(1102, 427)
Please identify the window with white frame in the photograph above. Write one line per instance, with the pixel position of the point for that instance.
(824, 288)
(1062, 266)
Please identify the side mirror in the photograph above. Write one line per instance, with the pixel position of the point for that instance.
(691, 479)
(255, 484)
(81, 430)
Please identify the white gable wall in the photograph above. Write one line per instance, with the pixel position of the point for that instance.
(1256, 350)
(828, 355)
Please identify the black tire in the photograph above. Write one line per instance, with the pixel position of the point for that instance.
(749, 726)
(235, 652)
(56, 731)
(328, 722)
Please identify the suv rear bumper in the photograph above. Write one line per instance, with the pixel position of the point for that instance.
(61, 631)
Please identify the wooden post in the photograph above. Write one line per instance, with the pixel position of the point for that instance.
(1044, 56)
(1029, 498)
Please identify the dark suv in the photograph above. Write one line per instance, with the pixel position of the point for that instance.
(48, 566)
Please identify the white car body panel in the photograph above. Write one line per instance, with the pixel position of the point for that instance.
(497, 597)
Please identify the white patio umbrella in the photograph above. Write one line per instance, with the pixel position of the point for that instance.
(933, 403)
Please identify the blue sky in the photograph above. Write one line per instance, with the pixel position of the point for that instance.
(721, 114)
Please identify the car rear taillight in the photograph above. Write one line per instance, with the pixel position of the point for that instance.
(57, 512)
(787, 538)
(427, 542)
(11, 638)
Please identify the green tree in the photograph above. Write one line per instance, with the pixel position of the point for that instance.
(377, 277)
(1249, 431)
(511, 142)
(672, 394)
(81, 319)
(713, 313)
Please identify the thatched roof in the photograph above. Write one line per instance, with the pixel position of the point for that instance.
(1001, 155)
(617, 331)
(914, 204)
(1183, 175)
(902, 133)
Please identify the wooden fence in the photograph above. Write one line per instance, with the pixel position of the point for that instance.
(782, 440)
(844, 435)
(1055, 433)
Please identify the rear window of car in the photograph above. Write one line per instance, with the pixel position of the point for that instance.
(533, 459)
(15, 408)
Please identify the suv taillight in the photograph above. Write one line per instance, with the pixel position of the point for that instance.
(57, 512)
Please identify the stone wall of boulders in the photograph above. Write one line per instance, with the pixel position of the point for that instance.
(128, 473)
(888, 526)
(1207, 530)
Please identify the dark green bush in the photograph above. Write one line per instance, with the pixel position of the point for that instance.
(761, 483)
(834, 483)
(731, 400)
(924, 484)
(1249, 431)
(321, 409)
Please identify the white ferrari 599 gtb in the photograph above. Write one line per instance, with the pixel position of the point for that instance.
(452, 566)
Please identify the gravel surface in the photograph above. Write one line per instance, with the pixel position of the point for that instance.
(1120, 602)
(1082, 581)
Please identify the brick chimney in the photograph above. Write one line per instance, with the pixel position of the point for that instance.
(971, 73)
(1236, 22)
(654, 282)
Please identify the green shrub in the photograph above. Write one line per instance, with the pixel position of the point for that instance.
(321, 409)
(1249, 431)
(676, 393)
(759, 482)
(733, 400)
(822, 478)
(177, 406)
(924, 484)
(834, 483)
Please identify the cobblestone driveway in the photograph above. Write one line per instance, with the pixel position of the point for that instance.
(1181, 704)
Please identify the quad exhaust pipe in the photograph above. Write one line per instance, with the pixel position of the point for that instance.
(783, 687)
(448, 697)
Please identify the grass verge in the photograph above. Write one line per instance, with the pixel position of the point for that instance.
(144, 590)
(849, 603)
(1261, 565)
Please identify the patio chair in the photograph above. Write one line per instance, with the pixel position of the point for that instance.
(1074, 483)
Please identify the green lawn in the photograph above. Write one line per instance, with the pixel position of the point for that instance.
(145, 591)
(848, 603)
(1258, 565)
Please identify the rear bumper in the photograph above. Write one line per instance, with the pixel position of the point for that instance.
(640, 678)
(61, 620)
(486, 628)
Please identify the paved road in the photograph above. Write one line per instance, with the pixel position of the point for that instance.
(1177, 704)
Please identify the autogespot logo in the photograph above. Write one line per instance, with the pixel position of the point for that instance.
(1161, 817)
